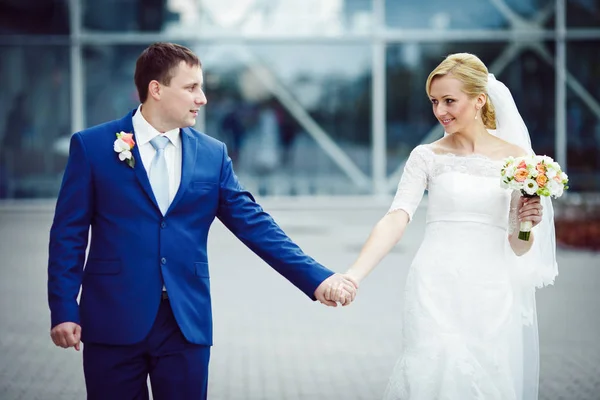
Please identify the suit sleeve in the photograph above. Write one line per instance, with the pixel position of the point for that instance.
(240, 213)
(69, 235)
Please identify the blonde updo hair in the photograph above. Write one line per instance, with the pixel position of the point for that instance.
(473, 74)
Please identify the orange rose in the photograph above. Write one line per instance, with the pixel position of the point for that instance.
(557, 178)
(521, 175)
(541, 180)
(128, 138)
(541, 168)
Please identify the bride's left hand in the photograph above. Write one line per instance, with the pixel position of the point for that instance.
(530, 209)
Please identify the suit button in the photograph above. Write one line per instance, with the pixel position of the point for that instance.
(163, 224)
(163, 261)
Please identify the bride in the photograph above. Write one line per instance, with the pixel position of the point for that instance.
(470, 327)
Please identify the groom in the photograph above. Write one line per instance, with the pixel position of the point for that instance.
(149, 186)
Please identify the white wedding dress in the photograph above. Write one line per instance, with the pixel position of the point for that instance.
(469, 326)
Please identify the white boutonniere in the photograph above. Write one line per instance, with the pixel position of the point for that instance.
(123, 146)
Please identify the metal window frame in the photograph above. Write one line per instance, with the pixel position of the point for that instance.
(521, 34)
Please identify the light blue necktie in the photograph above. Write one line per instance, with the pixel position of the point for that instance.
(159, 175)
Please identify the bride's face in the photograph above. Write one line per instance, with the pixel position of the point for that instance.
(451, 106)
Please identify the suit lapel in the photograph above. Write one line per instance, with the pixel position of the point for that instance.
(140, 171)
(142, 175)
(189, 150)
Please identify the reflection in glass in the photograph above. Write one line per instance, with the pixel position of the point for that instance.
(583, 13)
(583, 62)
(583, 145)
(439, 15)
(299, 17)
(265, 100)
(259, 101)
(125, 15)
(34, 115)
(109, 88)
(583, 118)
(531, 81)
(34, 17)
(529, 9)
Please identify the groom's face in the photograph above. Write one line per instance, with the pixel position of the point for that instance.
(183, 97)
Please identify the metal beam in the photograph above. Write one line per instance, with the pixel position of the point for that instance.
(560, 146)
(378, 108)
(389, 35)
(77, 74)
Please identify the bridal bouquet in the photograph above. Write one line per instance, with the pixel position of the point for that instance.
(533, 176)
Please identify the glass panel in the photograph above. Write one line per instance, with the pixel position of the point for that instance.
(34, 115)
(109, 88)
(297, 17)
(410, 120)
(269, 135)
(583, 116)
(531, 81)
(439, 15)
(583, 62)
(550, 22)
(529, 9)
(334, 90)
(583, 13)
(133, 15)
(31, 17)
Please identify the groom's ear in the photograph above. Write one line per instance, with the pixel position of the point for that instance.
(154, 89)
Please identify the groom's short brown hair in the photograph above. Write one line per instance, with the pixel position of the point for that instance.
(157, 63)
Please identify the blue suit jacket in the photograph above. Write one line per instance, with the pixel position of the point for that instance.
(134, 248)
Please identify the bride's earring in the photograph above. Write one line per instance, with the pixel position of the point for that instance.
(476, 112)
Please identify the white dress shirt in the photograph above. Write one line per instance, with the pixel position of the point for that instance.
(144, 133)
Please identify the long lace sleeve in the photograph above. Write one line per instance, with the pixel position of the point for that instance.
(513, 218)
(413, 182)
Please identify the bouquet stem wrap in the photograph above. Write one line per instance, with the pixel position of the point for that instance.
(525, 226)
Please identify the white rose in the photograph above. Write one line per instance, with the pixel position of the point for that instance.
(556, 189)
(125, 155)
(514, 185)
(120, 146)
(509, 172)
(550, 173)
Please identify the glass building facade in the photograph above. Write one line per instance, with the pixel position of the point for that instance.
(312, 97)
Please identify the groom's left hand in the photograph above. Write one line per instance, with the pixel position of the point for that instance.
(337, 288)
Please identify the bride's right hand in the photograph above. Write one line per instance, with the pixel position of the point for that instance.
(530, 209)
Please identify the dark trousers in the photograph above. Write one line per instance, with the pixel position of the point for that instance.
(178, 369)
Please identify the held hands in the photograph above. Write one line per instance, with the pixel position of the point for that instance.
(530, 209)
(337, 288)
(67, 334)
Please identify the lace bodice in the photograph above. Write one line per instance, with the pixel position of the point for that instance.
(461, 188)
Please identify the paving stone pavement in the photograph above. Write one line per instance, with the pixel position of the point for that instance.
(271, 342)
